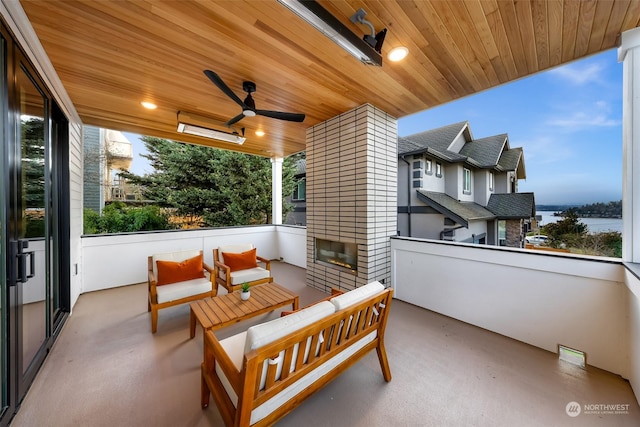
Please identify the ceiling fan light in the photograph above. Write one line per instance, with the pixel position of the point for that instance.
(397, 54)
(249, 113)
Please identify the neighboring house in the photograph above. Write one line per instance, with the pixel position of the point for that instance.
(299, 198)
(453, 187)
(106, 152)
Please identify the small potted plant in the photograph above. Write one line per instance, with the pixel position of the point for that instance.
(245, 293)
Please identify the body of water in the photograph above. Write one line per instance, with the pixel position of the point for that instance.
(595, 225)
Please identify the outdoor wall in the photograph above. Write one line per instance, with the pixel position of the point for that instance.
(476, 228)
(121, 259)
(632, 281)
(514, 233)
(351, 193)
(292, 241)
(540, 299)
(423, 225)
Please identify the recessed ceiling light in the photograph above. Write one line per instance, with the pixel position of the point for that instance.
(149, 105)
(260, 133)
(397, 54)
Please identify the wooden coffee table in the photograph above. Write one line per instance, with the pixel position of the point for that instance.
(224, 310)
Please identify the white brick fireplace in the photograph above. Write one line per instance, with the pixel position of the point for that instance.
(351, 198)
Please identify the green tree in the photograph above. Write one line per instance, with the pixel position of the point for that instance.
(208, 186)
(568, 227)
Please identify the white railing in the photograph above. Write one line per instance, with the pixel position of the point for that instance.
(541, 299)
(110, 261)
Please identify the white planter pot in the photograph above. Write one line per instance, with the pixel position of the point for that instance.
(245, 295)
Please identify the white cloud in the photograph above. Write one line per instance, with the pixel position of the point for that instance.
(580, 74)
(595, 115)
(581, 120)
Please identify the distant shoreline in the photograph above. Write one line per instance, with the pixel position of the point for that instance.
(591, 216)
(594, 225)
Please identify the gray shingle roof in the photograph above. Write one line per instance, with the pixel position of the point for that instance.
(486, 151)
(434, 141)
(301, 167)
(513, 160)
(460, 212)
(512, 205)
(406, 146)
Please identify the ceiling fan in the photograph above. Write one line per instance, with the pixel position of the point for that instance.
(248, 105)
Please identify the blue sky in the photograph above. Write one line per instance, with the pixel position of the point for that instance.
(568, 121)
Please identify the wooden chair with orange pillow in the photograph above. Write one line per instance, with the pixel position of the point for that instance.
(234, 265)
(176, 278)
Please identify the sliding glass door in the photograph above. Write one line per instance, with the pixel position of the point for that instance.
(34, 236)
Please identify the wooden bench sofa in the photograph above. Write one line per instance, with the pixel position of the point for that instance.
(258, 376)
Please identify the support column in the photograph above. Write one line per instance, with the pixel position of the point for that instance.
(352, 168)
(276, 190)
(629, 55)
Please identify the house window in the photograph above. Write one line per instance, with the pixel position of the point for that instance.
(427, 167)
(417, 164)
(466, 189)
(300, 192)
(417, 174)
(417, 183)
(491, 181)
(439, 170)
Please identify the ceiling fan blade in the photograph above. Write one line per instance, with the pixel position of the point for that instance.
(236, 119)
(223, 87)
(292, 117)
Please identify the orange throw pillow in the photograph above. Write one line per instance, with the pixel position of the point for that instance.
(173, 272)
(241, 261)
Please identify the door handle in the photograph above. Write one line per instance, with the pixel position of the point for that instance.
(19, 274)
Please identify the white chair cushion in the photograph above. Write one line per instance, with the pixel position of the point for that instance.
(249, 275)
(234, 249)
(357, 295)
(173, 256)
(175, 291)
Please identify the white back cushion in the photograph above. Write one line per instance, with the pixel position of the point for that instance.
(234, 249)
(173, 256)
(357, 295)
(265, 333)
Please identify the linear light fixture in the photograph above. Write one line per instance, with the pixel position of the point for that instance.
(185, 125)
(330, 26)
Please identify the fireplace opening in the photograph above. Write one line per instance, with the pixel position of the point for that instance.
(337, 254)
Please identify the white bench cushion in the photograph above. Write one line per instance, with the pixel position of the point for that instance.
(357, 295)
(175, 291)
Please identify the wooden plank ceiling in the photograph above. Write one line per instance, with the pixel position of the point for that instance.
(111, 55)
